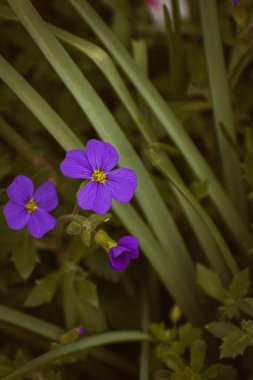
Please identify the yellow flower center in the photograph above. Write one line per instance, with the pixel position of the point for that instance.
(31, 206)
(98, 176)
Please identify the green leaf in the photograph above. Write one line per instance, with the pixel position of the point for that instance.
(240, 284)
(88, 292)
(210, 282)
(188, 334)
(222, 329)
(45, 289)
(158, 331)
(198, 354)
(25, 256)
(235, 344)
(174, 362)
(220, 372)
(247, 326)
(97, 264)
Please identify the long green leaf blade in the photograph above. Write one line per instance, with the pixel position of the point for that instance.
(76, 348)
(165, 266)
(222, 106)
(167, 119)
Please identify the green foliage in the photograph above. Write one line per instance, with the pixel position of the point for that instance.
(230, 298)
(25, 256)
(44, 290)
(210, 282)
(173, 111)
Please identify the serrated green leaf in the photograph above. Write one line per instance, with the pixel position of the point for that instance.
(235, 344)
(188, 334)
(219, 372)
(222, 329)
(198, 354)
(210, 282)
(45, 289)
(25, 256)
(87, 291)
(240, 284)
(247, 326)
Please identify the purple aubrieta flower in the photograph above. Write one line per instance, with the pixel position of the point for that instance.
(29, 208)
(95, 165)
(122, 252)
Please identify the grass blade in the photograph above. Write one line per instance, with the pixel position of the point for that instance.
(107, 127)
(166, 266)
(222, 106)
(76, 348)
(105, 63)
(168, 120)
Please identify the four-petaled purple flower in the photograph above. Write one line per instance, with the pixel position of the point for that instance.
(125, 250)
(29, 208)
(95, 165)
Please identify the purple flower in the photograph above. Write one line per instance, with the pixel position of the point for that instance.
(236, 2)
(29, 208)
(126, 249)
(95, 165)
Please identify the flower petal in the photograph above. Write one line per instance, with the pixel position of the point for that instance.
(122, 183)
(20, 190)
(131, 244)
(94, 196)
(76, 165)
(101, 155)
(120, 262)
(40, 222)
(46, 196)
(16, 216)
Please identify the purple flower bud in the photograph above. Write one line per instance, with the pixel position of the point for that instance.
(80, 330)
(125, 250)
(30, 208)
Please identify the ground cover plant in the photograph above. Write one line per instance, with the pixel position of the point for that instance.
(126, 189)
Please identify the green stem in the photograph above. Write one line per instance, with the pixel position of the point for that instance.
(222, 106)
